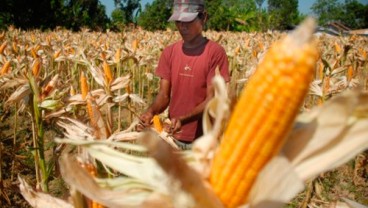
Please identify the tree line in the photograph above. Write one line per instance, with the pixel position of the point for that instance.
(229, 15)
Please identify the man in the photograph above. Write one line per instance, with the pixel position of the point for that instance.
(186, 69)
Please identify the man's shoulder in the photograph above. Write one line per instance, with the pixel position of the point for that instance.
(215, 45)
(173, 46)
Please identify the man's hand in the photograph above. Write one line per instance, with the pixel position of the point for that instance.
(145, 121)
(175, 126)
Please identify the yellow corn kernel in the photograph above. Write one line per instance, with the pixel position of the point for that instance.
(264, 114)
(157, 123)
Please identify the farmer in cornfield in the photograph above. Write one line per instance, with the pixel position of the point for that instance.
(186, 69)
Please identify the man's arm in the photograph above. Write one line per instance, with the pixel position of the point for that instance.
(160, 103)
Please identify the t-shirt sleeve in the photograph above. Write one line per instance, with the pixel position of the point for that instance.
(163, 67)
(219, 59)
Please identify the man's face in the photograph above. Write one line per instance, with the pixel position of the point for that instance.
(190, 30)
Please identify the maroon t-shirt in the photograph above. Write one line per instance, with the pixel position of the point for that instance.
(190, 73)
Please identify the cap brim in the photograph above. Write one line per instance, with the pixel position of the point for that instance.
(183, 16)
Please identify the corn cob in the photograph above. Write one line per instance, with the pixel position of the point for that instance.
(263, 115)
(350, 73)
(84, 86)
(2, 35)
(34, 53)
(157, 123)
(56, 54)
(36, 67)
(117, 55)
(3, 46)
(135, 45)
(5, 68)
(72, 91)
(49, 87)
(338, 48)
(107, 71)
(15, 47)
(91, 169)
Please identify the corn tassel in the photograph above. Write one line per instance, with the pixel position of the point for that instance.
(263, 115)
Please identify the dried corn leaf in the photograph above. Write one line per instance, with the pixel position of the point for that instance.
(81, 180)
(38, 199)
(276, 185)
(179, 171)
(331, 137)
(19, 94)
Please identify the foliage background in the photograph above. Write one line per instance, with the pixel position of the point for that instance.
(229, 15)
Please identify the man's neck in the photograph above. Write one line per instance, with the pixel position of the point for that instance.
(195, 42)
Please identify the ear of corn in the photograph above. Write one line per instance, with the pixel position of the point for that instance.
(34, 53)
(84, 86)
(56, 54)
(135, 44)
(15, 47)
(72, 91)
(49, 87)
(350, 73)
(36, 67)
(3, 46)
(117, 55)
(107, 71)
(157, 123)
(263, 115)
(5, 68)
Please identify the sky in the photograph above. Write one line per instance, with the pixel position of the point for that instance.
(304, 5)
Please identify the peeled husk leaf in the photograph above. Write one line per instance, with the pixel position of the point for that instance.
(39, 199)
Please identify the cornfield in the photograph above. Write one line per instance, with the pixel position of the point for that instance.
(70, 102)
